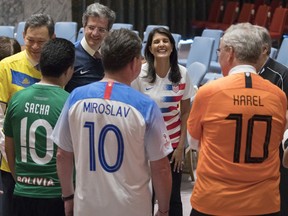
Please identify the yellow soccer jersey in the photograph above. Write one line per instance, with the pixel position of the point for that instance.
(239, 120)
(16, 73)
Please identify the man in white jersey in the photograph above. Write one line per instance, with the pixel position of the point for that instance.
(112, 132)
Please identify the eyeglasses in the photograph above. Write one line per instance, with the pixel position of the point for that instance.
(99, 29)
(225, 47)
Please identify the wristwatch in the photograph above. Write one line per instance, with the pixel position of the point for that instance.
(67, 197)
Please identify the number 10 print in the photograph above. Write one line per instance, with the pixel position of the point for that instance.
(238, 134)
(101, 150)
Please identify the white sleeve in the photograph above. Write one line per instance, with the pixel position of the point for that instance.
(157, 141)
(61, 134)
(189, 89)
(2, 136)
(285, 137)
(193, 143)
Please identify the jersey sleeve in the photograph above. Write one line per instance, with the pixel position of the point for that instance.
(189, 91)
(61, 134)
(157, 140)
(4, 97)
(4, 83)
(194, 125)
(7, 127)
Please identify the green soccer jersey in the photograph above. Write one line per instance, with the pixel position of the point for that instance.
(31, 116)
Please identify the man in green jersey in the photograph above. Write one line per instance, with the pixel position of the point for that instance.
(30, 119)
(17, 72)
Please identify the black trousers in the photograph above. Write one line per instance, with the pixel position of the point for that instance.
(176, 208)
(25, 206)
(8, 185)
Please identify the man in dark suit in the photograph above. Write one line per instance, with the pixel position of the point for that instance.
(277, 73)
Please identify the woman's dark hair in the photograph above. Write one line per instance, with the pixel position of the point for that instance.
(174, 75)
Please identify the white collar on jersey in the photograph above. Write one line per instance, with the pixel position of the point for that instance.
(86, 47)
(46, 84)
(242, 69)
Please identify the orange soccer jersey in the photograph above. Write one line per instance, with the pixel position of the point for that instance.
(239, 120)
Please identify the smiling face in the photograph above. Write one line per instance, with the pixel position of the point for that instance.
(95, 31)
(161, 46)
(34, 39)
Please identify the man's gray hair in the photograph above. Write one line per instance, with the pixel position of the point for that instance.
(245, 40)
(99, 10)
(266, 39)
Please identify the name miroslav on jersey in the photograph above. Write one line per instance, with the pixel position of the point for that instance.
(107, 109)
(247, 100)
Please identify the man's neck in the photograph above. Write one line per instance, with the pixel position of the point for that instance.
(51, 81)
(116, 78)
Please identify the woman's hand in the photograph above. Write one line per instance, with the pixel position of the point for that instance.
(177, 158)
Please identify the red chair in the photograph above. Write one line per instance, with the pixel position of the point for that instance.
(230, 15)
(273, 5)
(246, 13)
(214, 15)
(257, 4)
(276, 28)
(261, 17)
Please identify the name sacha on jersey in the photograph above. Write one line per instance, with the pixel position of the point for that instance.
(106, 109)
(40, 181)
(36, 108)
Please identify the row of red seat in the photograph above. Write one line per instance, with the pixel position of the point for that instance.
(272, 16)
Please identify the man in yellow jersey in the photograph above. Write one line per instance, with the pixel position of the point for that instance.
(239, 121)
(17, 72)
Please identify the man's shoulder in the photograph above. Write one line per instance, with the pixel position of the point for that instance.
(78, 45)
(275, 66)
(81, 53)
(14, 58)
(22, 92)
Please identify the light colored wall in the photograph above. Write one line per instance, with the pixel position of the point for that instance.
(14, 11)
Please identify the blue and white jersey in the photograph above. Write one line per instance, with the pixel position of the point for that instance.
(114, 131)
(168, 97)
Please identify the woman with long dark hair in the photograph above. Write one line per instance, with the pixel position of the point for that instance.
(168, 83)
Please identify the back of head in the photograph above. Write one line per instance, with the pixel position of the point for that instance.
(119, 48)
(245, 41)
(57, 56)
(266, 39)
(39, 20)
(99, 10)
(8, 47)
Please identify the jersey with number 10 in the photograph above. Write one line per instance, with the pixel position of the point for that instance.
(31, 116)
(239, 120)
(113, 131)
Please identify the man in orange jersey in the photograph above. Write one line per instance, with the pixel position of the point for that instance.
(239, 121)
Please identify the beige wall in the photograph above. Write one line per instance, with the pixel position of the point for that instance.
(13, 11)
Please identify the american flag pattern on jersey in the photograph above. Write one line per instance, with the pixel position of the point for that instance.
(168, 97)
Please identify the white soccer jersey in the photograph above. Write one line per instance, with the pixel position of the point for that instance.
(167, 97)
(113, 131)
